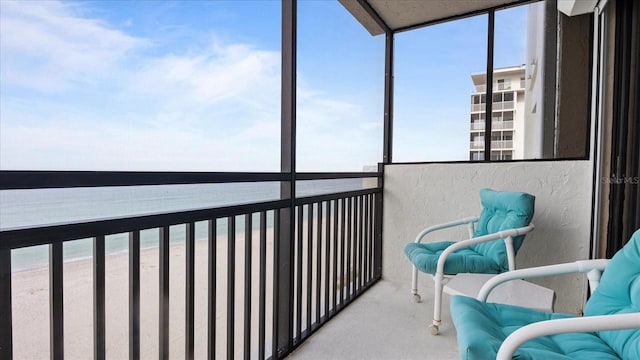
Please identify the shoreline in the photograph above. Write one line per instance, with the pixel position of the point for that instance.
(45, 265)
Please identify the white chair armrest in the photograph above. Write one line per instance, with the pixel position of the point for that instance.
(557, 326)
(506, 234)
(423, 233)
(582, 266)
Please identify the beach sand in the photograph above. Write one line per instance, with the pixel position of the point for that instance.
(30, 303)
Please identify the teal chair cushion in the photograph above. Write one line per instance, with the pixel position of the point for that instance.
(501, 210)
(425, 258)
(619, 292)
(482, 327)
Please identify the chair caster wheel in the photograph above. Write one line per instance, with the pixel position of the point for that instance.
(434, 329)
(416, 298)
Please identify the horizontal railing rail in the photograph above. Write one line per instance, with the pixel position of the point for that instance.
(14, 180)
(48, 234)
(336, 254)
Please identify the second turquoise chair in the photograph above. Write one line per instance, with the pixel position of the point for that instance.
(494, 239)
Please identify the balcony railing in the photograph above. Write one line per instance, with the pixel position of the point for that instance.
(495, 145)
(495, 125)
(478, 107)
(501, 144)
(503, 105)
(497, 106)
(315, 255)
(502, 86)
(478, 125)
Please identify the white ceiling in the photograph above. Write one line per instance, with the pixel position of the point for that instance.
(400, 14)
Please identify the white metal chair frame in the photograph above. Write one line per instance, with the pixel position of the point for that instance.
(593, 269)
(507, 235)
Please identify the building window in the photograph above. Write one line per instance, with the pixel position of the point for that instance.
(508, 96)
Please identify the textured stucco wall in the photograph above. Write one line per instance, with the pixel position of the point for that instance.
(417, 196)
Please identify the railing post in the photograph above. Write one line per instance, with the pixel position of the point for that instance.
(163, 303)
(211, 291)
(134, 295)
(6, 345)
(56, 304)
(99, 345)
(377, 238)
(190, 291)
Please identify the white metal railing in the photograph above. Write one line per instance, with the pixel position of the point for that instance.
(501, 125)
(497, 105)
(495, 125)
(501, 144)
(501, 86)
(477, 145)
(503, 105)
(477, 125)
(478, 107)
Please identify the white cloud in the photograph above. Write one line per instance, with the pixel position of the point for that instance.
(46, 47)
(97, 101)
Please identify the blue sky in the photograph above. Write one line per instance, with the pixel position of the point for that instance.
(195, 86)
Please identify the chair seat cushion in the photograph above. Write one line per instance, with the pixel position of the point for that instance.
(425, 258)
(482, 327)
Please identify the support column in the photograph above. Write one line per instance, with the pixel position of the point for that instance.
(284, 256)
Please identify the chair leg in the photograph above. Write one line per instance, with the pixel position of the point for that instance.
(437, 305)
(414, 286)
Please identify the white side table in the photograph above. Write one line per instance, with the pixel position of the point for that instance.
(515, 292)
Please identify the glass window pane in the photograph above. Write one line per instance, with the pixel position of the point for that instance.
(512, 45)
(432, 89)
(340, 90)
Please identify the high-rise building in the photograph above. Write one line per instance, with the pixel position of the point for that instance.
(507, 115)
(517, 126)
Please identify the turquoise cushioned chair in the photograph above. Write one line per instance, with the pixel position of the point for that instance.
(609, 329)
(494, 239)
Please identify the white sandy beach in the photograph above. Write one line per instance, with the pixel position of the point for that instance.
(31, 304)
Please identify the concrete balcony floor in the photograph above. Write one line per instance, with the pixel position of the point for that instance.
(384, 323)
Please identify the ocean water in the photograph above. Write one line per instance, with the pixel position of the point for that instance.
(26, 208)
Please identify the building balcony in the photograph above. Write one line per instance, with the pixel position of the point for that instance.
(496, 106)
(516, 85)
(383, 323)
(503, 105)
(495, 145)
(502, 144)
(478, 107)
(476, 145)
(305, 276)
(495, 125)
(320, 279)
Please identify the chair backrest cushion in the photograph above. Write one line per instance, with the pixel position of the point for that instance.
(619, 293)
(502, 210)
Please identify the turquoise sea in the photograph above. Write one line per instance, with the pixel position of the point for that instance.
(24, 208)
